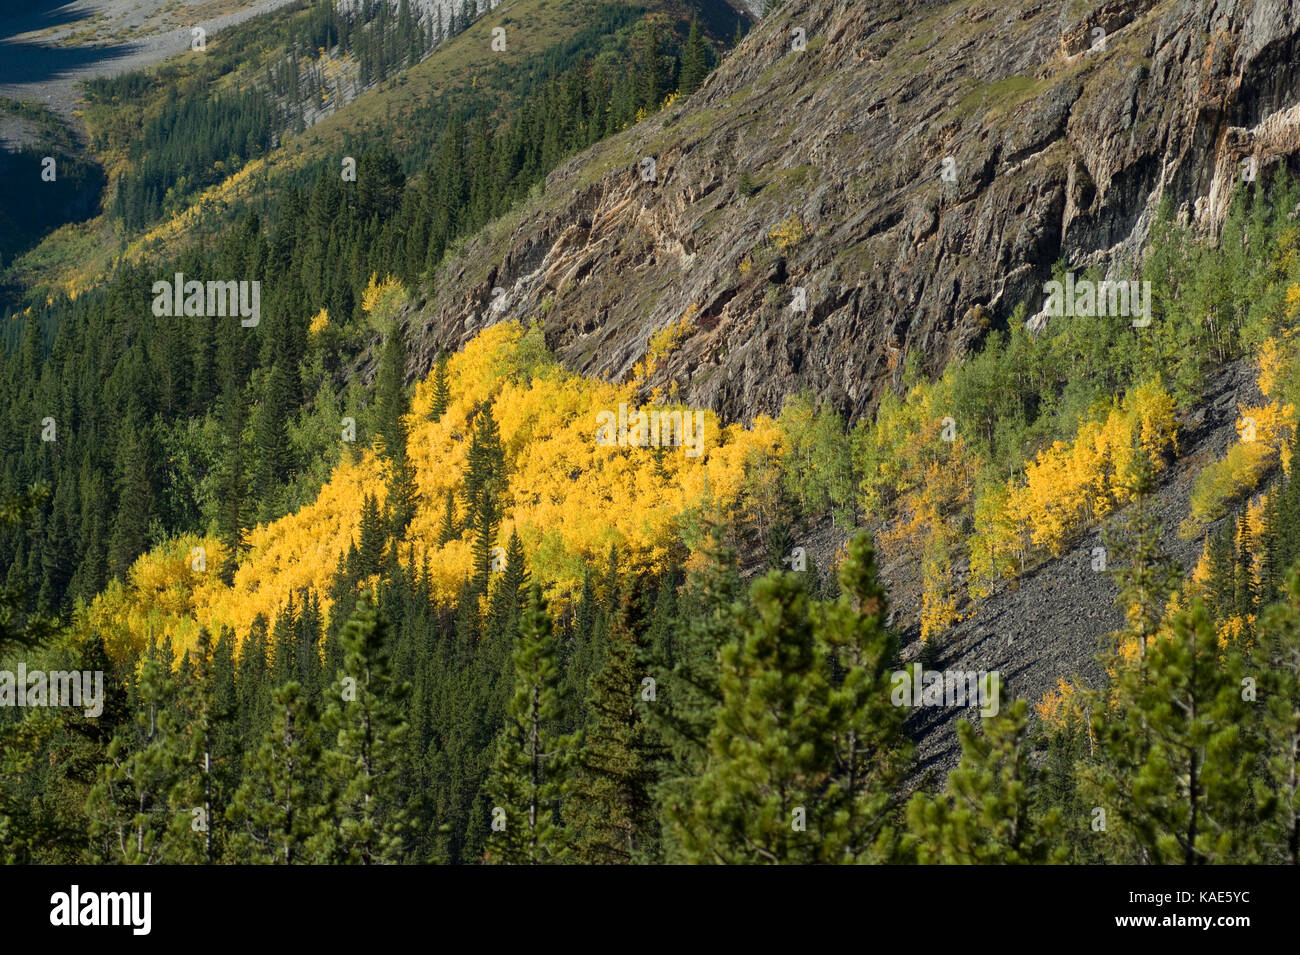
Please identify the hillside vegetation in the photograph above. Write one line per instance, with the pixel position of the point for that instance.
(396, 571)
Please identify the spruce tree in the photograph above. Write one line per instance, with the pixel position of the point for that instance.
(441, 389)
(614, 815)
(366, 736)
(253, 682)
(17, 627)
(272, 463)
(695, 60)
(484, 484)
(402, 494)
(232, 488)
(1244, 579)
(448, 529)
(371, 538)
(275, 816)
(135, 503)
(390, 394)
(1222, 580)
(510, 592)
(532, 773)
(648, 68)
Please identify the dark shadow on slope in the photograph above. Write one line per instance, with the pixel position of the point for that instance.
(39, 15)
(31, 207)
(27, 63)
(24, 62)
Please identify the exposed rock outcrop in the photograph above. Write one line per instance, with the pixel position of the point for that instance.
(823, 169)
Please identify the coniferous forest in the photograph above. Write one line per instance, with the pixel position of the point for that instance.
(392, 570)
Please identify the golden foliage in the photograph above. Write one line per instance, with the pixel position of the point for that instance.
(1293, 301)
(1069, 485)
(375, 291)
(1235, 630)
(1272, 365)
(664, 342)
(1264, 433)
(568, 498)
(319, 322)
(788, 234)
(926, 475)
(1064, 706)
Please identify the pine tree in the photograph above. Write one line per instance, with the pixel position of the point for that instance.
(49, 759)
(441, 389)
(615, 816)
(362, 758)
(197, 797)
(869, 751)
(531, 777)
(986, 813)
(274, 814)
(1174, 764)
(128, 807)
(1057, 792)
(1275, 660)
(804, 766)
(766, 749)
(695, 60)
(685, 670)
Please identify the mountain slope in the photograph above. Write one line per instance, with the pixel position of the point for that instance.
(1060, 153)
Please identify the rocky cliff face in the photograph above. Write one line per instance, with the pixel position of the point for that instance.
(914, 168)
